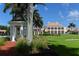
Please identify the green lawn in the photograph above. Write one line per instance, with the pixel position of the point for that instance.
(64, 44)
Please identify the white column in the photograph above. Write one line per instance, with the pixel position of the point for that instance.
(50, 30)
(42, 30)
(60, 31)
(34, 32)
(13, 33)
(21, 31)
(65, 30)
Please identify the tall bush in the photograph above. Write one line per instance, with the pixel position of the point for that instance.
(39, 42)
(22, 47)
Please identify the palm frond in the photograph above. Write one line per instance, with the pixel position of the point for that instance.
(7, 6)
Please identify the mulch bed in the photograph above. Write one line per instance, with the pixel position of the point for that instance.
(7, 49)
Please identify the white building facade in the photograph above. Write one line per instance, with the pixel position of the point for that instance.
(55, 28)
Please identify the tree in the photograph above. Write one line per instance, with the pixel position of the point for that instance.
(29, 11)
(26, 12)
(6, 30)
(37, 19)
(71, 27)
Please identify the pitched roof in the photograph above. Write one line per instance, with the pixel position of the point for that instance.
(17, 19)
(54, 24)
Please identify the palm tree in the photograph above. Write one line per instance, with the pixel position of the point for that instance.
(26, 12)
(71, 27)
(37, 19)
(29, 11)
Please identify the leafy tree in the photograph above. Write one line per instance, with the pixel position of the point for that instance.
(4, 28)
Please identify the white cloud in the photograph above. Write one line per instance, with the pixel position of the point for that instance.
(61, 15)
(46, 8)
(73, 15)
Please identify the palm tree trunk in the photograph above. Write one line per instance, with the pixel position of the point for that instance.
(30, 22)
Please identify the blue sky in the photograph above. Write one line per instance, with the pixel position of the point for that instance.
(60, 12)
(4, 17)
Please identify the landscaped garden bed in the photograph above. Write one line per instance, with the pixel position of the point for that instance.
(38, 47)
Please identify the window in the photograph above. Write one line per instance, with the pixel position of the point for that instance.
(55, 28)
(58, 32)
(52, 28)
(48, 27)
(62, 32)
(58, 27)
(62, 28)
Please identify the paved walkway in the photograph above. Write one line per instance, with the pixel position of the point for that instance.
(7, 49)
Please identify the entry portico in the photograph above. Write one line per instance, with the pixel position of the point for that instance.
(17, 29)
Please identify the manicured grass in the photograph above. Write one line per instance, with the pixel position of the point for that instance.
(64, 44)
(2, 41)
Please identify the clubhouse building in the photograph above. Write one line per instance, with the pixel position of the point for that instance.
(52, 28)
(55, 28)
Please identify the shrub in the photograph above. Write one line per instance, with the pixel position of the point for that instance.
(46, 34)
(2, 42)
(7, 39)
(74, 32)
(39, 42)
(22, 47)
